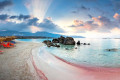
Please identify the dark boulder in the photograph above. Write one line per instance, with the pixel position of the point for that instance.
(56, 45)
(48, 46)
(78, 43)
(69, 41)
(88, 43)
(84, 44)
(55, 41)
(75, 47)
(46, 41)
(61, 39)
(66, 49)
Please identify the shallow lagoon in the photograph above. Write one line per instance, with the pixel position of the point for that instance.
(90, 55)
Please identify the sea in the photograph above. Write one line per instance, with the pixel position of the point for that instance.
(94, 55)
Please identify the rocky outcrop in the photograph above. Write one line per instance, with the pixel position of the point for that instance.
(78, 43)
(69, 41)
(88, 43)
(55, 41)
(56, 45)
(48, 43)
(84, 44)
(61, 39)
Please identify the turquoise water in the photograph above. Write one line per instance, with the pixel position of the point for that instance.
(92, 55)
(33, 40)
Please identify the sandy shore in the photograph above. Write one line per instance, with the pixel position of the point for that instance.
(15, 62)
(54, 68)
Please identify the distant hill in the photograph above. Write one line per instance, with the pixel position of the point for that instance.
(77, 36)
(41, 34)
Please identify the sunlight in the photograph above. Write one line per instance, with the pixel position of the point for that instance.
(34, 29)
(38, 8)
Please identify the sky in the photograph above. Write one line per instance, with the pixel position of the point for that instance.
(88, 18)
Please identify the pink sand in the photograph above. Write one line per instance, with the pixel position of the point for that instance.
(51, 67)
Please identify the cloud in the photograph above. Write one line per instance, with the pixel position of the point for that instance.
(99, 24)
(90, 16)
(27, 23)
(13, 17)
(82, 27)
(5, 3)
(23, 17)
(77, 23)
(84, 8)
(3, 17)
(20, 17)
(48, 25)
(105, 22)
(33, 21)
(79, 8)
(14, 26)
(117, 16)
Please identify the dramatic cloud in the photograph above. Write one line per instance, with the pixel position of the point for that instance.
(5, 3)
(84, 26)
(14, 26)
(33, 21)
(27, 23)
(48, 25)
(117, 17)
(90, 16)
(20, 17)
(99, 24)
(3, 17)
(105, 22)
(23, 17)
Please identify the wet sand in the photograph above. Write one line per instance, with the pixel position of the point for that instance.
(15, 63)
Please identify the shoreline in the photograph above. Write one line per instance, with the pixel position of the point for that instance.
(63, 70)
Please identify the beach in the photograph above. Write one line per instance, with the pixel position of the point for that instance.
(15, 62)
(30, 61)
(54, 68)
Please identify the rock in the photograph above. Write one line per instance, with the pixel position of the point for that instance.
(75, 47)
(66, 48)
(84, 43)
(55, 41)
(69, 41)
(48, 46)
(61, 39)
(88, 43)
(57, 45)
(78, 43)
(46, 41)
(49, 43)
(112, 50)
